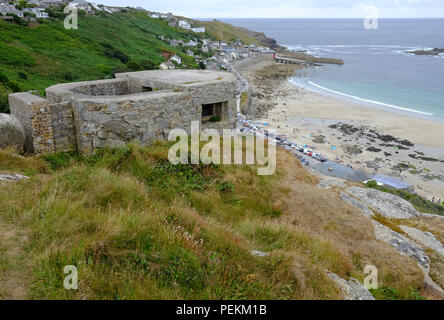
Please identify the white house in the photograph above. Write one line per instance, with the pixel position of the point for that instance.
(176, 58)
(168, 15)
(5, 9)
(184, 25)
(198, 30)
(191, 43)
(155, 16)
(81, 5)
(39, 12)
(167, 65)
(96, 6)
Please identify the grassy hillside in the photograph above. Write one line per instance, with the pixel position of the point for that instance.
(228, 32)
(139, 228)
(33, 58)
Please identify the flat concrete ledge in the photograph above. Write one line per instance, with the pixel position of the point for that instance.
(180, 77)
(25, 97)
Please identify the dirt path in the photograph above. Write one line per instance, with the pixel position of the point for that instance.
(14, 269)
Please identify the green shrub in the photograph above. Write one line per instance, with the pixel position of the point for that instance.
(109, 53)
(18, 20)
(119, 69)
(372, 184)
(14, 86)
(22, 75)
(104, 69)
(69, 76)
(4, 106)
(390, 293)
(148, 65)
(417, 201)
(61, 159)
(134, 66)
(215, 119)
(3, 78)
(121, 56)
(107, 45)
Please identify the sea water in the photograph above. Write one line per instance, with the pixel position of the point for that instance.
(377, 70)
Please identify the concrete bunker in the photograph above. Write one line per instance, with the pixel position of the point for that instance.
(137, 106)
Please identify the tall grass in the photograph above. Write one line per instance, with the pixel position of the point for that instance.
(137, 227)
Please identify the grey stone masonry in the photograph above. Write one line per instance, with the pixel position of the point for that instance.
(35, 116)
(137, 106)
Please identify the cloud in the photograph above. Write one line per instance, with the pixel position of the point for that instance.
(290, 8)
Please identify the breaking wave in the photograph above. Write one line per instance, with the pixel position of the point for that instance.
(370, 101)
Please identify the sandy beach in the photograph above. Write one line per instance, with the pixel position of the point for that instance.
(376, 140)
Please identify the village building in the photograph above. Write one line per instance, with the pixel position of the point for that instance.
(82, 5)
(191, 43)
(9, 9)
(7, 19)
(184, 25)
(39, 12)
(176, 58)
(167, 66)
(198, 30)
(137, 106)
(168, 15)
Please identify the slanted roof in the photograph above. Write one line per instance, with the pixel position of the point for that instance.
(391, 181)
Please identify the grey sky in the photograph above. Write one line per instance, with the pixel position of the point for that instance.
(289, 8)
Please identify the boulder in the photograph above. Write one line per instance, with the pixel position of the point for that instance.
(331, 182)
(351, 289)
(386, 204)
(425, 238)
(402, 244)
(13, 177)
(352, 201)
(11, 132)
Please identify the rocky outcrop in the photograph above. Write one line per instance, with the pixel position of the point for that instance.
(352, 201)
(424, 238)
(402, 244)
(11, 132)
(331, 182)
(351, 289)
(258, 253)
(386, 204)
(12, 177)
(433, 52)
(264, 40)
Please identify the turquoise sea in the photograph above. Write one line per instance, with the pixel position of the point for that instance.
(378, 70)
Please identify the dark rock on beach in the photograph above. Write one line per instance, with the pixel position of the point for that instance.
(433, 52)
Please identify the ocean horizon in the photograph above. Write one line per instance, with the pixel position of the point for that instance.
(378, 71)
